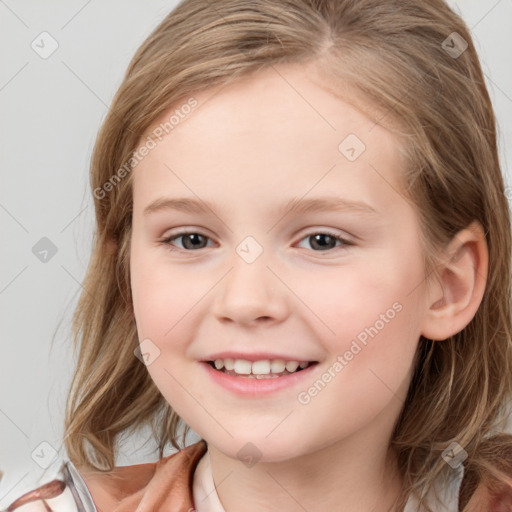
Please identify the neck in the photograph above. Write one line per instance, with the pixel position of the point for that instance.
(356, 474)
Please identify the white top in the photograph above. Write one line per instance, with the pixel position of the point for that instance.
(206, 498)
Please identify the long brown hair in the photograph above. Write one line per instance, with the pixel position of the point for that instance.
(415, 62)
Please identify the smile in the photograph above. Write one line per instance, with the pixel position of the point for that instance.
(256, 379)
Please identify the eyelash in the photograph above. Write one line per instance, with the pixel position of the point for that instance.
(167, 241)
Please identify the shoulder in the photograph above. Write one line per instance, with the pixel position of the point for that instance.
(487, 486)
(158, 482)
(165, 483)
(497, 500)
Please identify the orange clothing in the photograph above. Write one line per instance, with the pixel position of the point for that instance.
(168, 485)
(163, 486)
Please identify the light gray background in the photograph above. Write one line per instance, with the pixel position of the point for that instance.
(51, 111)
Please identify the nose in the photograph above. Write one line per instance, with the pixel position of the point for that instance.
(250, 294)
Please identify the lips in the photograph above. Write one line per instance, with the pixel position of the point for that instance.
(256, 386)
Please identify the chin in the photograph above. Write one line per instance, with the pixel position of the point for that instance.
(251, 449)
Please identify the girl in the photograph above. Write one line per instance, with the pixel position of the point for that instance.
(302, 253)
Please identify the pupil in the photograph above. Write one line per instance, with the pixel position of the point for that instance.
(187, 238)
(317, 238)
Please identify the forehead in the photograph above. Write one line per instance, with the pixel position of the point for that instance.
(277, 129)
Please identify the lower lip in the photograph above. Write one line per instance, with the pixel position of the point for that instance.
(250, 386)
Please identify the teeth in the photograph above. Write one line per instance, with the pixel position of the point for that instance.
(260, 369)
(278, 366)
(291, 366)
(242, 367)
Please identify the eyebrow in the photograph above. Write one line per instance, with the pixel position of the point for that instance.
(294, 205)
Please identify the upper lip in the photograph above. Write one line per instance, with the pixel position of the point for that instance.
(256, 356)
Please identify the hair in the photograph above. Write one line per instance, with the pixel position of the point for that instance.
(391, 53)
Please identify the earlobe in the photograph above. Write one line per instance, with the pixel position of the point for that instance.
(458, 288)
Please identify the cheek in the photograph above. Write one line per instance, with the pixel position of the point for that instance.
(385, 343)
(162, 296)
(366, 374)
(377, 332)
(361, 300)
(163, 299)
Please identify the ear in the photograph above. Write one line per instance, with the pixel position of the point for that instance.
(456, 292)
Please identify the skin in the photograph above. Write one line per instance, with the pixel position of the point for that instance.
(248, 148)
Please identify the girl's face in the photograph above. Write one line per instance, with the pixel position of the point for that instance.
(265, 175)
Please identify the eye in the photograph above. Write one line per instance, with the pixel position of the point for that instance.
(319, 242)
(190, 240)
(325, 241)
